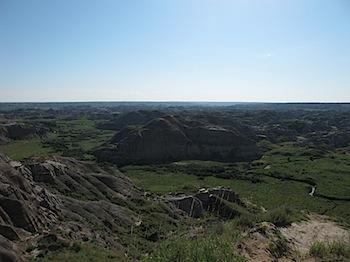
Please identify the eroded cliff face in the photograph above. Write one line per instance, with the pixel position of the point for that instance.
(51, 203)
(24, 207)
(168, 139)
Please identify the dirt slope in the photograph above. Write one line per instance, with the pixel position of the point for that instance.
(268, 243)
(317, 229)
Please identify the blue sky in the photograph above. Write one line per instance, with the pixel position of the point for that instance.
(175, 50)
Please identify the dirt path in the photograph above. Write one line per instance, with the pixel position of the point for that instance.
(302, 235)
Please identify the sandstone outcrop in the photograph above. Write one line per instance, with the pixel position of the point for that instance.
(48, 204)
(21, 201)
(215, 200)
(22, 207)
(191, 205)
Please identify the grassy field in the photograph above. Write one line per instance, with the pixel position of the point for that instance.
(284, 176)
(18, 150)
(76, 138)
(67, 137)
(334, 251)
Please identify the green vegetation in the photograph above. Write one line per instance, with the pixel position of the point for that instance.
(209, 244)
(85, 252)
(67, 137)
(207, 239)
(280, 216)
(336, 251)
(217, 240)
(76, 138)
(284, 176)
(18, 150)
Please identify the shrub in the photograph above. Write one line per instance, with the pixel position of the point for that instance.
(281, 216)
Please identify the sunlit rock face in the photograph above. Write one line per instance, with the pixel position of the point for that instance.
(213, 200)
(167, 139)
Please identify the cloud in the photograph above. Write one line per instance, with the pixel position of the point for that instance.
(265, 56)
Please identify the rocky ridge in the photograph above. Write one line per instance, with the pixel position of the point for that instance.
(61, 198)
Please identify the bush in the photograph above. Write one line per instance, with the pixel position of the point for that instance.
(281, 216)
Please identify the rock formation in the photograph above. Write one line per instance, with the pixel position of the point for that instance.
(215, 200)
(23, 205)
(48, 204)
(20, 131)
(134, 118)
(168, 139)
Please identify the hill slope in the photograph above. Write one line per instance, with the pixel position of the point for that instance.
(169, 139)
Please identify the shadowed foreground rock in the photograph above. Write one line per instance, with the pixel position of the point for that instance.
(49, 204)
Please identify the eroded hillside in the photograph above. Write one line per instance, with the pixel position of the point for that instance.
(50, 204)
(172, 138)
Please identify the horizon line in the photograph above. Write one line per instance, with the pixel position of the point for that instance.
(178, 101)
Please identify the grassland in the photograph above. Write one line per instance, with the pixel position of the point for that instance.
(67, 137)
(284, 176)
(334, 251)
(84, 252)
(215, 244)
(21, 149)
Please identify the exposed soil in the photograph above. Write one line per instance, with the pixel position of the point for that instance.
(299, 236)
(317, 229)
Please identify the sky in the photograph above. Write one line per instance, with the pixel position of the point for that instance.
(175, 50)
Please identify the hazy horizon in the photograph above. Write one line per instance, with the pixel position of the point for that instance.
(229, 51)
(178, 102)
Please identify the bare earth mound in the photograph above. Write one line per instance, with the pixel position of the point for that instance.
(268, 243)
(317, 229)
